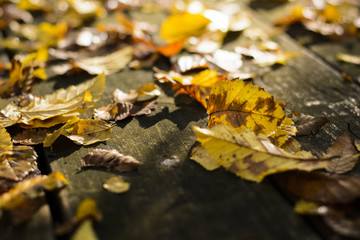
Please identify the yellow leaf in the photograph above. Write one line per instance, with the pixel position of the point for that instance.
(107, 64)
(252, 157)
(180, 26)
(241, 104)
(116, 185)
(23, 200)
(81, 131)
(5, 140)
(17, 163)
(202, 156)
(63, 104)
(88, 208)
(85, 231)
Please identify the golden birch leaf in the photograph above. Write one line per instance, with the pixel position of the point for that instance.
(107, 64)
(116, 185)
(344, 155)
(252, 157)
(180, 26)
(63, 103)
(22, 201)
(240, 104)
(81, 131)
(110, 159)
(5, 140)
(17, 163)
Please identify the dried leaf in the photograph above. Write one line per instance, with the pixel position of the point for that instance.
(31, 136)
(344, 155)
(308, 125)
(22, 201)
(81, 131)
(249, 156)
(348, 58)
(322, 188)
(63, 104)
(171, 49)
(187, 63)
(343, 223)
(110, 159)
(241, 104)
(116, 185)
(17, 163)
(180, 26)
(108, 64)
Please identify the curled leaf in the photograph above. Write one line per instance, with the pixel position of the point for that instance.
(307, 125)
(349, 58)
(110, 159)
(344, 155)
(116, 185)
(249, 156)
(81, 131)
(30, 136)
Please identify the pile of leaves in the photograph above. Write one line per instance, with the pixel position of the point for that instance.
(249, 132)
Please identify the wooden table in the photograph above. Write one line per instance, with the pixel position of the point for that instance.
(181, 200)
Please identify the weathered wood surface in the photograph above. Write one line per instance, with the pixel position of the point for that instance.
(172, 197)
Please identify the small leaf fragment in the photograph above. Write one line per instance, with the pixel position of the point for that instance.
(81, 131)
(88, 209)
(116, 185)
(85, 231)
(5, 140)
(252, 157)
(349, 58)
(308, 125)
(30, 136)
(344, 155)
(110, 159)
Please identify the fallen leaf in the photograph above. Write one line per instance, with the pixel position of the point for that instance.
(322, 188)
(32, 136)
(344, 155)
(85, 231)
(308, 125)
(107, 64)
(110, 159)
(343, 222)
(240, 104)
(17, 163)
(5, 141)
(180, 26)
(187, 63)
(22, 201)
(81, 131)
(202, 156)
(116, 185)
(348, 58)
(171, 49)
(61, 105)
(249, 156)
(88, 209)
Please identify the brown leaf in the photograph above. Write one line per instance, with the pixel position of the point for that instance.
(344, 155)
(308, 125)
(110, 159)
(30, 136)
(322, 188)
